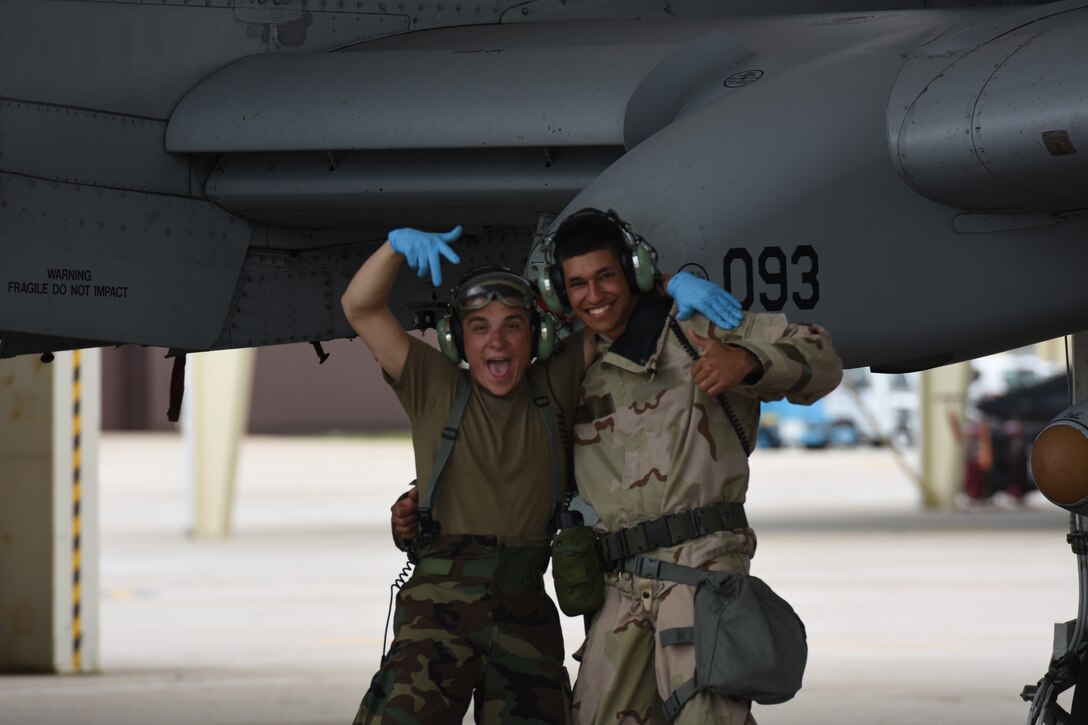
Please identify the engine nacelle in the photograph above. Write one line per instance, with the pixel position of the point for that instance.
(997, 122)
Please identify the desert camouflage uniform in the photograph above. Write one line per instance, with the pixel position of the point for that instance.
(650, 443)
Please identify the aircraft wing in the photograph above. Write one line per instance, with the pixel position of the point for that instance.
(913, 179)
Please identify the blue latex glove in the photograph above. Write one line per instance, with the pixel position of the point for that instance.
(422, 250)
(698, 295)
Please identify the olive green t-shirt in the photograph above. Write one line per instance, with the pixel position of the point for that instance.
(497, 480)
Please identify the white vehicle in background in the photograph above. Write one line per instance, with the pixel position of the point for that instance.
(998, 374)
(883, 409)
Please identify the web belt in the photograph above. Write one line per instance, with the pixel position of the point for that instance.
(670, 530)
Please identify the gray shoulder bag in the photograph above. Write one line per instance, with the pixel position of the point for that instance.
(749, 643)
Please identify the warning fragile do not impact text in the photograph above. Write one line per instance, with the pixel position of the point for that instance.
(67, 283)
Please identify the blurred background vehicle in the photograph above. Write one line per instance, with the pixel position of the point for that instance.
(783, 424)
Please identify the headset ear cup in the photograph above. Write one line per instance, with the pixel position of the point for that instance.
(643, 270)
(545, 337)
(550, 285)
(447, 340)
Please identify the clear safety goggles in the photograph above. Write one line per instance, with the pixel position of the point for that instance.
(506, 287)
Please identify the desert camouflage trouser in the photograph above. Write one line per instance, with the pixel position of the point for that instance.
(626, 674)
(474, 618)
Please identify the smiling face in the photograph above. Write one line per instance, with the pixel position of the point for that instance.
(598, 292)
(498, 345)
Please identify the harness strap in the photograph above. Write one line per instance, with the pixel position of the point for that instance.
(427, 525)
(541, 402)
(655, 569)
(679, 697)
(647, 568)
(671, 529)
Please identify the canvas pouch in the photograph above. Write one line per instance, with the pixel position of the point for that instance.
(576, 571)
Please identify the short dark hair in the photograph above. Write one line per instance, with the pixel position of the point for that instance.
(587, 231)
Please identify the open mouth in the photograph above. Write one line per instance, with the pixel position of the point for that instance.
(498, 368)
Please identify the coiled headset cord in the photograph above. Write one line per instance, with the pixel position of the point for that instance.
(566, 434)
(400, 580)
(686, 344)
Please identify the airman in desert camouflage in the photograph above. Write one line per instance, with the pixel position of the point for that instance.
(665, 463)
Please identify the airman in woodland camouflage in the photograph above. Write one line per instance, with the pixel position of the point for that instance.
(474, 621)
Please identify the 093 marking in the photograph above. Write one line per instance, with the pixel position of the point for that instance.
(781, 279)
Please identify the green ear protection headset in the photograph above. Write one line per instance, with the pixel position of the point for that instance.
(477, 289)
(638, 258)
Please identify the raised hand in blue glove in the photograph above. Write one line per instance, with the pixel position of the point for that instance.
(698, 295)
(422, 250)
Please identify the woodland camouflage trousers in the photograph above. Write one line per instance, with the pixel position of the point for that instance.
(474, 618)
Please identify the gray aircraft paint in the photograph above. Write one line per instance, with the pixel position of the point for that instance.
(254, 155)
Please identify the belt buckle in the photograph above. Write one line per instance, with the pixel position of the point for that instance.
(633, 541)
(657, 533)
(698, 521)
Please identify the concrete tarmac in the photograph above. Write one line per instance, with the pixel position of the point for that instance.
(913, 617)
